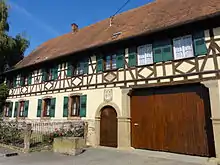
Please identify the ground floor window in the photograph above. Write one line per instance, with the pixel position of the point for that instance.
(21, 111)
(46, 107)
(21, 108)
(8, 109)
(74, 106)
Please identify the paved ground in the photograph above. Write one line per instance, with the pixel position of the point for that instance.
(4, 151)
(92, 157)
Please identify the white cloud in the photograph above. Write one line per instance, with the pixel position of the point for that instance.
(44, 26)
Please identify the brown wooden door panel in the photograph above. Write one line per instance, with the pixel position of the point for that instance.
(172, 119)
(108, 127)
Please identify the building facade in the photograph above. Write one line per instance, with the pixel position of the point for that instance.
(156, 90)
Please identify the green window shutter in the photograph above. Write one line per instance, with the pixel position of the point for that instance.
(132, 56)
(99, 61)
(55, 73)
(30, 79)
(14, 83)
(39, 107)
(162, 51)
(120, 59)
(65, 106)
(86, 67)
(26, 106)
(44, 75)
(10, 109)
(52, 107)
(16, 109)
(18, 83)
(199, 43)
(167, 52)
(157, 54)
(22, 81)
(83, 100)
(69, 70)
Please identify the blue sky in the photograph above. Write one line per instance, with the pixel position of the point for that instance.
(41, 20)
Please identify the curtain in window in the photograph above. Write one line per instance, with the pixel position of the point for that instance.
(114, 61)
(183, 47)
(145, 54)
(108, 63)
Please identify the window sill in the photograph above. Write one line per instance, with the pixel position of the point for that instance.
(73, 118)
(111, 70)
(45, 118)
(21, 118)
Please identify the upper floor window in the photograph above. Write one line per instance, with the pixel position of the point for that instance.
(183, 47)
(49, 74)
(145, 54)
(26, 79)
(9, 82)
(78, 68)
(110, 62)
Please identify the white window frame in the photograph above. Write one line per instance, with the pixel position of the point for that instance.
(6, 110)
(145, 54)
(180, 48)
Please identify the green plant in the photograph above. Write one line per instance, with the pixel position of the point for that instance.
(3, 95)
(71, 132)
(10, 133)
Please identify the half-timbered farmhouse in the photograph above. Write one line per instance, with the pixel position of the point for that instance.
(147, 78)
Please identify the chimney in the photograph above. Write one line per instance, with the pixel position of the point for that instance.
(74, 27)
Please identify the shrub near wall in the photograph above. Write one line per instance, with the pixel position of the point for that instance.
(11, 134)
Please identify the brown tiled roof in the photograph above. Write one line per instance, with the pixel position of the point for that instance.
(154, 16)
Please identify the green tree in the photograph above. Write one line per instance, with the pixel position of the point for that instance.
(11, 49)
(3, 95)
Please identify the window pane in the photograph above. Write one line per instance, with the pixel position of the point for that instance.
(187, 46)
(145, 54)
(141, 55)
(149, 54)
(108, 63)
(177, 48)
(114, 61)
(81, 68)
(21, 109)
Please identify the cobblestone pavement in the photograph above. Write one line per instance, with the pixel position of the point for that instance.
(92, 156)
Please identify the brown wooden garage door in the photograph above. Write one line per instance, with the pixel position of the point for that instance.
(173, 119)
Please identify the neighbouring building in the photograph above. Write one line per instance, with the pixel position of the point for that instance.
(147, 78)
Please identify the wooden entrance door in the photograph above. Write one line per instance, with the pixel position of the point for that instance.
(173, 119)
(108, 127)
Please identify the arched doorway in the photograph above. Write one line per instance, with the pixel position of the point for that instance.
(108, 127)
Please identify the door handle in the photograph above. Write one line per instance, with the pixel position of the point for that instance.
(136, 124)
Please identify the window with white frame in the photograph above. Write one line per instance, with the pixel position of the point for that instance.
(21, 111)
(79, 68)
(6, 109)
(47, 105)
(110, 62)
(183, 47)
(145, 54)
(75, 105)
